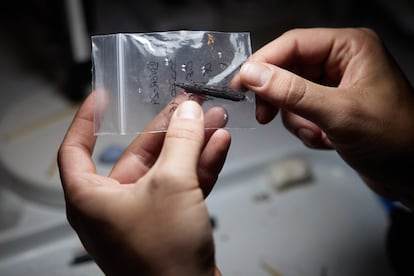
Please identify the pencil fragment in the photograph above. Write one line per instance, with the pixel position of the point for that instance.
(222, 92)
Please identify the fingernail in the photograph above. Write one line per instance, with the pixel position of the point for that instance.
(327, 141)
(189, 110)
(306, 136)
(255, 73)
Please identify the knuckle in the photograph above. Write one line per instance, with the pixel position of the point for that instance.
(295, 88)
(368, 32)
(60, 154)
(76, 198)
(345, 121)
(351, 108)
(75, 195)
(292, 32)
(78, 190)
(360, 32)
(165, 174)
(365, 36)
(172, 179)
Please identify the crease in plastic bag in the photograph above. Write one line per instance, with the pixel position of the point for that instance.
(134, 76)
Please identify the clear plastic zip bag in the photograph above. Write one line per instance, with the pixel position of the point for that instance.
(136, 75)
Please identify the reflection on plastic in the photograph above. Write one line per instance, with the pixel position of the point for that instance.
(135, 75)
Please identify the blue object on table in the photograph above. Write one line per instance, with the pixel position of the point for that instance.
(111, 154)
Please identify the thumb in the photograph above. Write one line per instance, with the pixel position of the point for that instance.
(283, 89)
(183, 143)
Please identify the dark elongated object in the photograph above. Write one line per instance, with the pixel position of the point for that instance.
(216, 91)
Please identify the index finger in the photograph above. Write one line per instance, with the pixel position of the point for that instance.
(75, 152)
(310, 46)
(321, 55)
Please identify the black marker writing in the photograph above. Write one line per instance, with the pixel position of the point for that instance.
(152, 67)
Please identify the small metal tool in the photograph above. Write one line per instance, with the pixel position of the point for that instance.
(216, 91)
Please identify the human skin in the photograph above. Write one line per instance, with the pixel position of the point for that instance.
(148, 217)
(340, 89)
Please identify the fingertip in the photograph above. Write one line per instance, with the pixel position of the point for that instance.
(255, 74)
(265, 112)
(307, 136)
(236, 81)
(224, 136)
(315, 139)
(184, 138)
(220, 141)
(212, 159)
(327, 142)
(187, 121)
(189, 110)
(216, 117)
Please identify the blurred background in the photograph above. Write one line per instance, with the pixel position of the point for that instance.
(51, 38)
(45, 72)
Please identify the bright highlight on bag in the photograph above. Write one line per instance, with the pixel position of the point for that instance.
(136, 75)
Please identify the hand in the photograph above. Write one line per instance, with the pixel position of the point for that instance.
(339, 88)
(148, 217)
